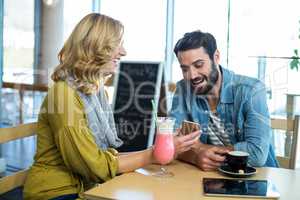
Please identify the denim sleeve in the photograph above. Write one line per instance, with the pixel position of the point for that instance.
(178, 109)
(256, 127)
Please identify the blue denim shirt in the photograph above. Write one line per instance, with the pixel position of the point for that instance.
(243, 110)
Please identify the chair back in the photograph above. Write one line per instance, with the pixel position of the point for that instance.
(290, 126)
(13, 181)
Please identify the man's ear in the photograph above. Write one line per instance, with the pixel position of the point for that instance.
(217, 56)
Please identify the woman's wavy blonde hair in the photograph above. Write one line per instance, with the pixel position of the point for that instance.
(88, 51)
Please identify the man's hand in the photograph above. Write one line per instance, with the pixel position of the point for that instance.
(186, 142)
(210, 157)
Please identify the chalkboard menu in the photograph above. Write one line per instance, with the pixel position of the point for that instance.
(136, 84)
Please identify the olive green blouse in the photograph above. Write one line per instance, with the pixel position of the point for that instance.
(67, 157)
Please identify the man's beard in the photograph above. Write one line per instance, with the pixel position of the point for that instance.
(211, 80)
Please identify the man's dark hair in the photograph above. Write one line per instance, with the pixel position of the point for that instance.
(195, 40)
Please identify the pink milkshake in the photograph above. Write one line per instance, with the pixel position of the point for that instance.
(164, 145)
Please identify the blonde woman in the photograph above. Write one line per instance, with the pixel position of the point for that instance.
(77, 134)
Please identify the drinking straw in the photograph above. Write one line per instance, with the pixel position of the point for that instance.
(154, 109)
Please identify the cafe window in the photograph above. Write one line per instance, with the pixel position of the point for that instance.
(18, 41)
(74, 12)
(262, 41)
(144, 21)
(258, 28)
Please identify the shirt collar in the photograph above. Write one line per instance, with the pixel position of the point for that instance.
(227, 86)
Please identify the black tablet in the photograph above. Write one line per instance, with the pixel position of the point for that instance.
(239, 188)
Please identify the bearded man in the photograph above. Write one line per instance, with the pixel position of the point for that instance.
(231, 109)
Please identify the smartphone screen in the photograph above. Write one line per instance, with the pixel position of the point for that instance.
(188, 127)
(239, 187)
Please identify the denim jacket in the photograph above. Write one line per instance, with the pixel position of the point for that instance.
(243, 110)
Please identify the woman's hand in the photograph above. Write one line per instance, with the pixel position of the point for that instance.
(184, 143)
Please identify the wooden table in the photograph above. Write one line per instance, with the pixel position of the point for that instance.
(186, 184)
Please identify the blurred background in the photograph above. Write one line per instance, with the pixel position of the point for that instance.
(258, 38)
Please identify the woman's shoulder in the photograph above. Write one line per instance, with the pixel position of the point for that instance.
(61, 86)
(60, 90)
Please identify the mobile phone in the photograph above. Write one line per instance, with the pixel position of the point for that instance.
(188, 127)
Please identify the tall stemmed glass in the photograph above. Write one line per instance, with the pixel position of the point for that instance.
(164, 145)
